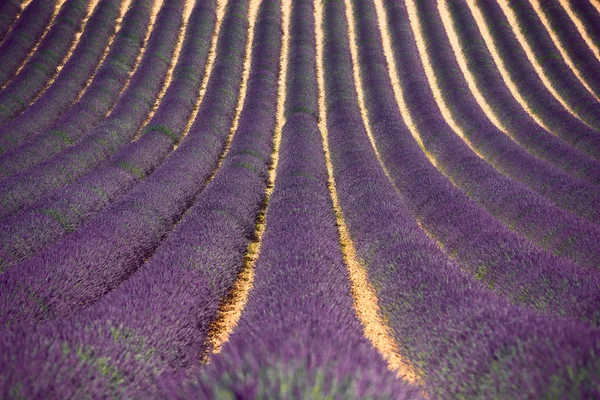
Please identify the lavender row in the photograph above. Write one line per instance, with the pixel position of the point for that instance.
(511, 201)
(540, 100)
(493, 254)
(573, 44)
(70, 81)
(42, 65)
(520, 125)
(113, 133)
(485, 247)
(24, 36)
(465, 341)
(60, 213)
(298, 336)
(189, 273)
(572, 194)
(129, 231)
(10, 11)
(562, 78)
(33, 146)
(589, 17)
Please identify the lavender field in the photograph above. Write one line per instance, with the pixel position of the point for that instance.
(299, 199)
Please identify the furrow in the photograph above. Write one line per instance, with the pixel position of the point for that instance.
(10, 11)
(41, 67)
(483, 245)
(126, 5)
(581, 27)
(573, 52)
(23, 41)
(492, 113)
(241, 97)
(157, 6)
(495, 99)
(92, 8)
(112, 134)
(189, 6)
(31, 145)
(231, 308)
(66, 209)
(365, 300)
(526, 86)
(360, 278)
(212, 55)
(56, 99)
(556, 76)
(441, 317)
(143, 217)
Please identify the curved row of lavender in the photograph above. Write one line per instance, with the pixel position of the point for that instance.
(573, 44)
(180, 284)
(298, 336)
(10, 11)
(32, 144)
(562, 78)
(125, 305)
(492, 253)
(465, 341)
(66, 276)
(113, 133)
(520, 125)
(530, 86)
(43, 64)
(64, 210)
(589, 17)
(23, 37)
(533, 214)
(69, 82)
